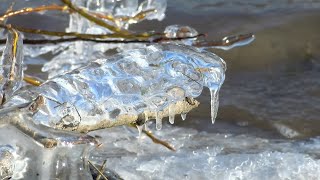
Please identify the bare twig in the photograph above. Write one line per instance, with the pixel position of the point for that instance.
(155, 139)
(55, 41)
(76, 34)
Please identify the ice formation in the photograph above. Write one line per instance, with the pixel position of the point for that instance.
(141, 84)
(159, 80)
(121, 15)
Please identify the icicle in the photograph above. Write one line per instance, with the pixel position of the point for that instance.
(183, 116)
(214, 103)
(171, 113)
(140, 127)
(146, 126)
(158, 122)
(146, 117)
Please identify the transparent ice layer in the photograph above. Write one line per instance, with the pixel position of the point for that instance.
(11, 63)
(21, 157)
(150, 79)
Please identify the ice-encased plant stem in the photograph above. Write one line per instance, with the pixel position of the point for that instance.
(121, 89)
(11, 62)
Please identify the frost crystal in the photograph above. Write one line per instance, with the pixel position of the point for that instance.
(134, 82)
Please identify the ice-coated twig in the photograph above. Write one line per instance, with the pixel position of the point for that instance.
(11, 72)
(227, 42)
(128, 87)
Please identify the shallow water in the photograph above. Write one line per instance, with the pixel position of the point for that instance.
(268, 120)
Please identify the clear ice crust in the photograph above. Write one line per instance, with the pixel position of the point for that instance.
(154, 82)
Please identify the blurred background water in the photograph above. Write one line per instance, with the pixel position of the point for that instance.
(268, 120)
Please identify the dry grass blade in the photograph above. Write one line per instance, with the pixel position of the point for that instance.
(101, 173)
(27, 10)
(14, 53)
(102, 169)
(32, 81)
(93, 19)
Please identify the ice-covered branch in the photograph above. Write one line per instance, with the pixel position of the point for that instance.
(139, 84)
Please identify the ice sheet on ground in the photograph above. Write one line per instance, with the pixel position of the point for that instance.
(203, 155)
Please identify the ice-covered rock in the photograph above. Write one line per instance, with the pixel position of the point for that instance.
(106, 92)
